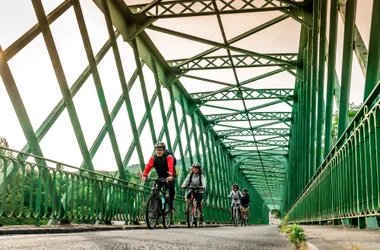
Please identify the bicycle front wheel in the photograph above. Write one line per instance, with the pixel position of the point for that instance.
(167, 217)
(151, 212)
(190, 216)
(196, 217)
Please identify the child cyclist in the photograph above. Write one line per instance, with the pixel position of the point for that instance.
(236, 196)
(245, 202)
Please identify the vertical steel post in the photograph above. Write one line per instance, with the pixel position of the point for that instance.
(348, 46)
(373, 68)
(331, 73)
(321, 78)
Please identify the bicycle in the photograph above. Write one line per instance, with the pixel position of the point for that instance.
(243, 217)
(193, 213)
(235, 212)
(154, 209)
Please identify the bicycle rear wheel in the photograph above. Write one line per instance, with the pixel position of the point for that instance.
(151, 212)
(167, 217)
(190, 217)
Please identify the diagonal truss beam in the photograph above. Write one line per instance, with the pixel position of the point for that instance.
(264, 143)
(216, 44)
(237, 38)
(258, 132)
(191, 8)
(257, 116)
(247, 94)
(240, 61)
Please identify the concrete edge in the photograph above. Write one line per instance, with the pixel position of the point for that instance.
(73, 229)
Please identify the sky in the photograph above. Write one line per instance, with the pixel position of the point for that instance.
(35, 78)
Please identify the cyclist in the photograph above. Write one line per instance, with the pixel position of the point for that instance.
(245, 202)
(163, 162)
(195, 179)
(235, 195)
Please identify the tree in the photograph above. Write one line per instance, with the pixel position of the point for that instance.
(352, 110)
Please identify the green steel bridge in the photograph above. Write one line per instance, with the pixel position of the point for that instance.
(191, 73)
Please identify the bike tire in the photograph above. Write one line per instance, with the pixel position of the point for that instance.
(236, 216)
(196, 217)
(167, 217)
(152, 206)
(190, 218)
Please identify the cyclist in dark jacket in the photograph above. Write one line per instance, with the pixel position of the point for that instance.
(245, 202)
(163, 162)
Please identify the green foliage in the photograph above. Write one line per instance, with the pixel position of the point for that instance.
(276, 213)
(296, 235)
(284, 224)
(295, 232)
(352, 110)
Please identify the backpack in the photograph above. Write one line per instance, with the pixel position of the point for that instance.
(172, 154)
(200, 178)
(174, 160)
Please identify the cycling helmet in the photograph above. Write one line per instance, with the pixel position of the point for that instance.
(235, 185)
(160, 144)
(196, 165)
(245, 190)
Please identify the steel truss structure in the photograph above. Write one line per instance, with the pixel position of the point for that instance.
(286, 159)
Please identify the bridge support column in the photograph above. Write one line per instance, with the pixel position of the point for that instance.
(346, 222)
(371, 222)
(361, 222)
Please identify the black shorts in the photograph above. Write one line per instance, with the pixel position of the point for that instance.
(244, 205)
(197, 196)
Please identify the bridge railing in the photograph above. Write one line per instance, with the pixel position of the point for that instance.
(347, 183)
(58, 191)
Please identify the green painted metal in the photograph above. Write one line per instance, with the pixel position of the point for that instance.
(347, 64)
(321, 86)
(258, 116)
(53, 53)
(330, 73)
(373, 69)
(240, 61)
(98, 85)
(314, 83)
(359, 45)
(278, 169)
(346, 186)
(118, 200)
(175, 9)
(123, 82)
(250, 94)
(144, 91)
(216, 44)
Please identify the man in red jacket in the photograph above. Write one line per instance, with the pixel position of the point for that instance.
(163, 162)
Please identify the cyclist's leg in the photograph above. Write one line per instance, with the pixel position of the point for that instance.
(188, 197)
(232, 210)
(171, 187)
(199, 198)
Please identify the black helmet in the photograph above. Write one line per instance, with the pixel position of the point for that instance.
(235, 185)
(245, 190)
(160, 144)
(196, 165)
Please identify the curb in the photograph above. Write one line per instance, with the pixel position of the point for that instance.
(74, 229)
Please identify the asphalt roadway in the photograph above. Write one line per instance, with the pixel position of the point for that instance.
(250, 237)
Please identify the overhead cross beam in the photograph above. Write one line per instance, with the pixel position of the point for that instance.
(255, 116)
(191, 8)
(258, 132)
(247, 94)
(240, 61)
